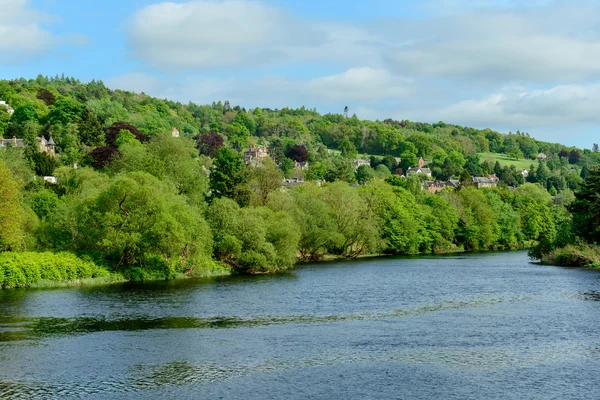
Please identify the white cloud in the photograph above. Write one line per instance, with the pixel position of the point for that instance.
(209, 35)
(542, 44)
(559, 105)
(22, 33)
(360, 84)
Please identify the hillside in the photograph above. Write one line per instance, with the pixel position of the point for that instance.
(75, 113)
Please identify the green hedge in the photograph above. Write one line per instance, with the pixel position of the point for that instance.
(19, 270)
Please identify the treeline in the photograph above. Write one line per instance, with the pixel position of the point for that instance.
(135, 198)
(154, 210)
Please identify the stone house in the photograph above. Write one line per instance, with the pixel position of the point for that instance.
(256, 154)
(301, 165)
(14, 142)
(360, 162)
(483, 182)
(46, 146)
(454, 183)
(433, 186)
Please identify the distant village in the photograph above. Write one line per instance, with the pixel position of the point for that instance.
(255, 155)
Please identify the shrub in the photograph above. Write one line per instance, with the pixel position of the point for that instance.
(579, 255)
(19, 270)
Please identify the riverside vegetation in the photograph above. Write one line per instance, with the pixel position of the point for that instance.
(135, 201)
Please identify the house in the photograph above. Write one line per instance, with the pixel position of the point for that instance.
(292, 182)
(9, 109)
(454, 183)
(433, 186)
(175, 132)
(14, 142)
(46, 146)
(483, 182)
(51, 179)
(256, 154)
(360, 162)
(493, 177)
(412, 171)
(301, 164)
(525, 173)
(542, 156)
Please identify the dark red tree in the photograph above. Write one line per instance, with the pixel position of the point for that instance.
(563, 153)
(574, 156)
(209, 143)
(101, 156)
(46, 96)
(297, 153)
(113, 131)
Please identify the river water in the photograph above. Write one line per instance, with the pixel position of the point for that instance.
(484, 326)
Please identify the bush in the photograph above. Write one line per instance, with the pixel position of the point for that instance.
(580, 255)
(18, 270)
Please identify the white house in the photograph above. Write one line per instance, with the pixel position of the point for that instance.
(51, 179)
(412, 171)
(10, 110)
(175, 132)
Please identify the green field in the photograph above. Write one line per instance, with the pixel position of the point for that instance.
(503, 159)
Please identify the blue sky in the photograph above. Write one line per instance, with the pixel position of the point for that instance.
(508, 65)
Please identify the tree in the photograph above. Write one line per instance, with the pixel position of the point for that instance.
(574, 156)
(407, 160)
(102, 156)
(113, 131)
(90, 130)
(586, 207)
(65, 110)
(238, 135)
(265, 178)
(228, 172)
(12, 214)
(24, 114)
(208, 143)
(298, 153)
(365, 173)
(595, 148)
(44, 164)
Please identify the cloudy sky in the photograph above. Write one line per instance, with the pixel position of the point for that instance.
(504, 64)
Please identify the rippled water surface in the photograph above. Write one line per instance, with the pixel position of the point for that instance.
(486, 326)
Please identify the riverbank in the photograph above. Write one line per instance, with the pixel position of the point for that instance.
(579, 255)
(47, 269)
(52, 270)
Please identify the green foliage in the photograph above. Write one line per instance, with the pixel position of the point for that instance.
(228, 174)
(574, 255)
(12, 214)
(20, 270)
(252, 240)
(586, 207)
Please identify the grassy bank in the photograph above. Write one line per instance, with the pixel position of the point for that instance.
(46, 269)
(31, 269)
(579, 255)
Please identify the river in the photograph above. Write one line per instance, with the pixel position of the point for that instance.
(482, 326)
